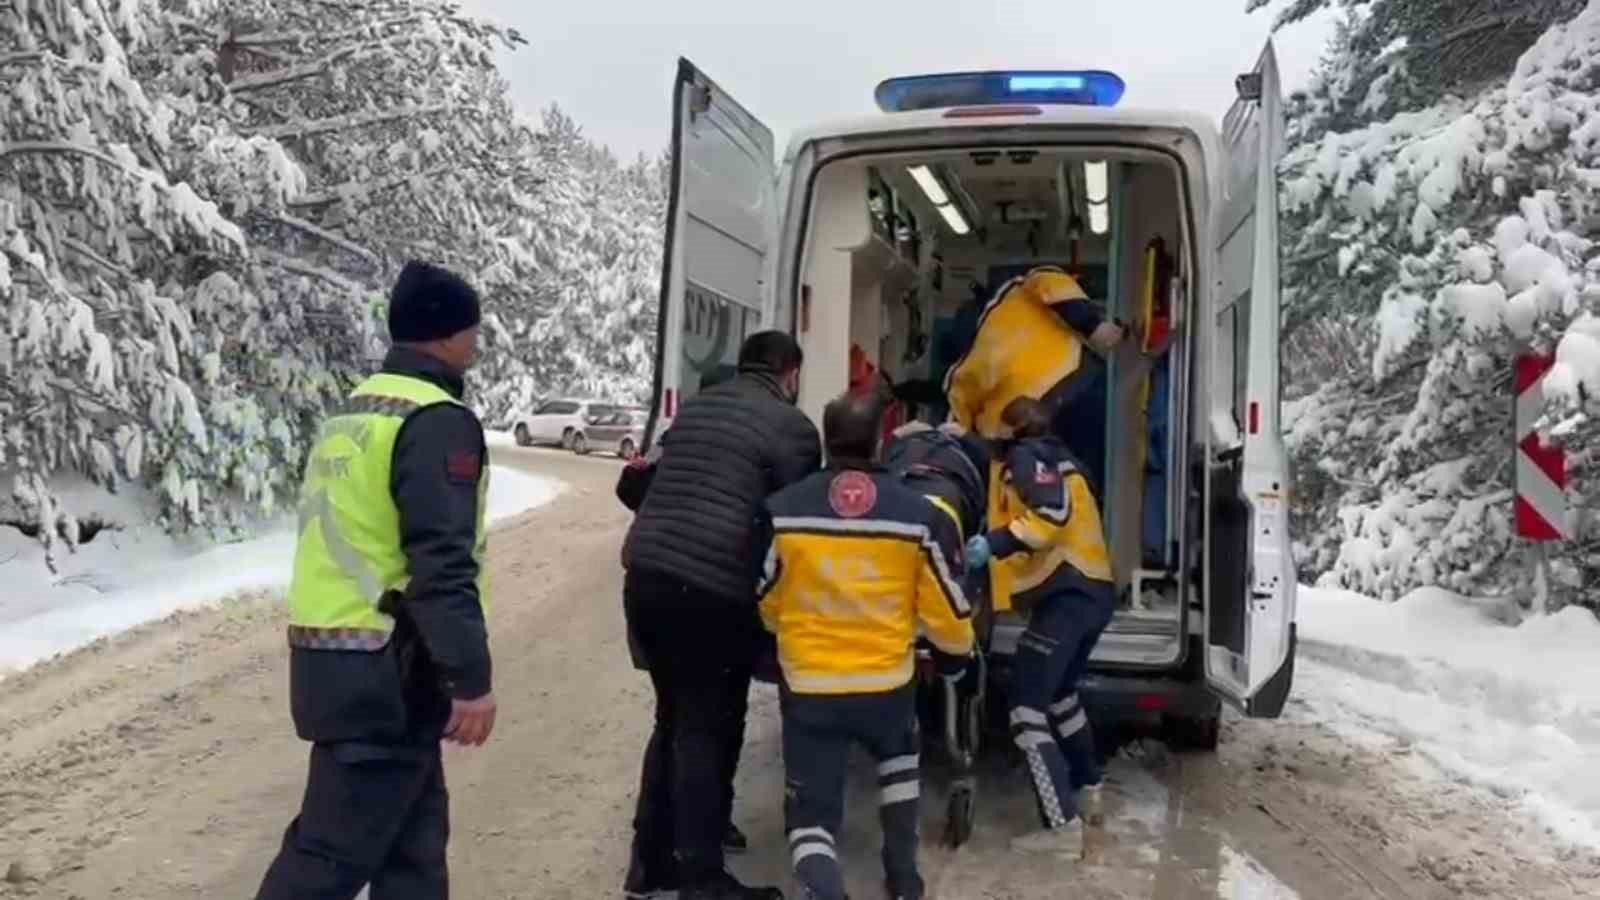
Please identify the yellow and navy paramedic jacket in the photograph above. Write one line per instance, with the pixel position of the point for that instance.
(856, 561)
(1048, 538)
(1030, 343)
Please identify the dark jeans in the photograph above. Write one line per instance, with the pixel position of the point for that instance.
(1048, 722)
(818, 732)
(371, 815)
(700, 657)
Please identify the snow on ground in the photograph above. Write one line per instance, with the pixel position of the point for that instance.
(125, 578)
(1515, 710)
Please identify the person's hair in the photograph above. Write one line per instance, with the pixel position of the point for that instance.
(774, 352)
(1026, 417)
(850, 425)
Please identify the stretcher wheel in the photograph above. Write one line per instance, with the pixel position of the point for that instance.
(959, 815)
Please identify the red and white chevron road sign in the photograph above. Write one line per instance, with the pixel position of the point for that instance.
(1541, 470)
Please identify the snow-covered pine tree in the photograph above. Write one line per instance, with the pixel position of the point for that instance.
(100, 363)
(338, 114)
(586, 322)
(1433, 241)
(200, 207)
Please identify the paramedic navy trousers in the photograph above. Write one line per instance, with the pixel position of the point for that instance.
(700, 658)
(818, 732)
(1048, 722)
(373, 815)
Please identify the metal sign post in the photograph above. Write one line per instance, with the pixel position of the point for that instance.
(1540, 506)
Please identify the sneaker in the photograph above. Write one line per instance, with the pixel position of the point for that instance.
(734, 841)
(724, 886)
(1064, 841)
(1092, 805)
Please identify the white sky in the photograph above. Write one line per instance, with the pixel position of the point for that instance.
(610, 63)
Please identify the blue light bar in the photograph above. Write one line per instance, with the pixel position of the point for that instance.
(914, 92)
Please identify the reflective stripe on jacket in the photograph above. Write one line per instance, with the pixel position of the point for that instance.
(856, 562)
(349, 555)
(1047, 529)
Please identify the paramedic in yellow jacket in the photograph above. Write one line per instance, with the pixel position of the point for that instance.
(856, 561)
(1049, 535)
(1031, 342)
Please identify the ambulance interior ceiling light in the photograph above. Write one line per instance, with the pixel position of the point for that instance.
(953, 218)
(1094, 180)
(930, 185)
(1099, 218)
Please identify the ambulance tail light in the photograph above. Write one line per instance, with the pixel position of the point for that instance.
(1152, 702)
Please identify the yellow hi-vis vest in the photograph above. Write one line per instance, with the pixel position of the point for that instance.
(349, 555)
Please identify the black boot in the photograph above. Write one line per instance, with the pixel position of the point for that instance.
(734, 841)
(723, 886)
(649, 882)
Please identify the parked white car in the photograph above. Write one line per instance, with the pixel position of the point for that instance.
(556, 422)
(616, 429)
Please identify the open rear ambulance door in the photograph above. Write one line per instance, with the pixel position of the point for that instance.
(721, 219)
(1251, 580)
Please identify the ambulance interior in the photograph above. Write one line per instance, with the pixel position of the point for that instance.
(942, 233)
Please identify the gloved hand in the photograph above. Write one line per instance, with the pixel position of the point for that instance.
(978, 552)
(964, 679)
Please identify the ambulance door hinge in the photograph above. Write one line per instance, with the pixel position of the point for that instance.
(1249, 86)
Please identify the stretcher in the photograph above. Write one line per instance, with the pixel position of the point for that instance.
(963, 720)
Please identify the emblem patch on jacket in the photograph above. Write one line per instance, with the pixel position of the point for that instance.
(852, 494)
(463, 467)
(1043, 474)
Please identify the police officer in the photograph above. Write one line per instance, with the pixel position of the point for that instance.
(1049, 538)
(856, 560)
(388, 648)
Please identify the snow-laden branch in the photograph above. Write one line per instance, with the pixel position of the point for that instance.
(89, 253)
(350, 120)
(264, 80)
(300, 267)
(338, 192)
(272, 38)
(22, 148)
(337, 240)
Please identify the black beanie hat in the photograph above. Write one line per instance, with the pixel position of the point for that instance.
(429, 303)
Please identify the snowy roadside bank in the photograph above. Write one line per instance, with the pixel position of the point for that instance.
(1515, 710)
(124, 579)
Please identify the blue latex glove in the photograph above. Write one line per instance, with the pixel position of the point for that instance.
(978, 553)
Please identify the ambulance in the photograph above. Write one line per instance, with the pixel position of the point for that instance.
(875, 238)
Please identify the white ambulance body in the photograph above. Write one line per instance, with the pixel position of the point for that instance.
(873, 232)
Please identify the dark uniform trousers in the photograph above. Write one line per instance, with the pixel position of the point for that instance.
(818, 732)
(1048, 722)
(372, 814)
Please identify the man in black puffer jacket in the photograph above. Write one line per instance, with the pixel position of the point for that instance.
(690, 601)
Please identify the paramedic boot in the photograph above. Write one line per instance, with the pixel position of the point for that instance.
(1091, 805)
(723, 886)
(1063, 841)
(912, 891)
(734, 841)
